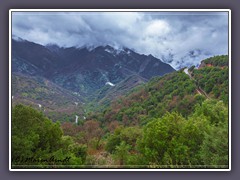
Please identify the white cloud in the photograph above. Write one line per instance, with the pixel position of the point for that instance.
(157, 28)
(159, 34)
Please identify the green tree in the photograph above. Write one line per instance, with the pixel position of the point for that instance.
(159, 136)
(36, 139)
(129, 135)
(122, 152)
(214, 150)
(174, 141)
(214, 111)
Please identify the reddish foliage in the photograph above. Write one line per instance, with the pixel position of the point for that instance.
(70, 129)
(113, 125)
(92, 130)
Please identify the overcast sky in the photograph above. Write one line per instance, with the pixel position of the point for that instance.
(171, 36)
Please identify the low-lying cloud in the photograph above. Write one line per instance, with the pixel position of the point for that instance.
(175, 37)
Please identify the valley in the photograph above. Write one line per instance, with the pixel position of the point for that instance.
(90, 77)
(109, 108)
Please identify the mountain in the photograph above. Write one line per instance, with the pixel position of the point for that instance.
(179, 120)
(59, 80)
(83, 70)
(32, 59)
(174, 92)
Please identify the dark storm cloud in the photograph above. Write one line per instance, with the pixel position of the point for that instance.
(165, 35)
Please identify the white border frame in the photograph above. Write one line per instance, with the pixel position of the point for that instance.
(117, 10)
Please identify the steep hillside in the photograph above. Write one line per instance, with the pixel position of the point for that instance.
(110, 92)
(212, 77)
(33, 59)
(83, 70)
(164, 123)
(54, 101)
(216, 61)
(173, 92)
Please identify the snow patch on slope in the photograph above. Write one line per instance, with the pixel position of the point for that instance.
(128, 52)
(113, 51)
(109, 83)
(109, 51)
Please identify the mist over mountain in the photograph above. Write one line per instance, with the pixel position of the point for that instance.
(83, 70)
(161, 34)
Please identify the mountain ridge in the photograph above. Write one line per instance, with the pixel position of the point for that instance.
(98, 75)
(82, 70)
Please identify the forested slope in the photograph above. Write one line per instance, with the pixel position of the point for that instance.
(165, 123)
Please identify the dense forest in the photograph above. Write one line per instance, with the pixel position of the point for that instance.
(178, 120)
